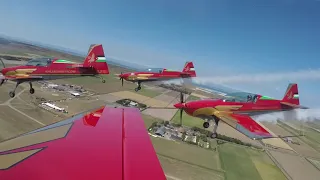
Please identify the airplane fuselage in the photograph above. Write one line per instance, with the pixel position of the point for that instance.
(151, 76)
(207, 107)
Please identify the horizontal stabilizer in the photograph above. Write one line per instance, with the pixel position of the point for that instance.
(293, 105)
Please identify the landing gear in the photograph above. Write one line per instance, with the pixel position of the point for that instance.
(2, 81)
(12, 93)
(138, 88)
(31, 89)
(206, 124)
(102, 80)
(214, 133)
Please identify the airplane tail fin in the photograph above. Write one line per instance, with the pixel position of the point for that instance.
(96, 59)
(189, 68)
(291, 96)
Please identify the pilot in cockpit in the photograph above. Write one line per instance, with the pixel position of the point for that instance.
(255, 98)
(249, 98)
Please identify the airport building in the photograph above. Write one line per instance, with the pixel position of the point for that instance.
(52, 106)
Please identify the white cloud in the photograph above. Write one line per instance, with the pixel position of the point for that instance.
(298, 114)
(262, 77)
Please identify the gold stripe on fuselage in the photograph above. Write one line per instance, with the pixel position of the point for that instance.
(207, 111)
(228, 107)
(20, 72)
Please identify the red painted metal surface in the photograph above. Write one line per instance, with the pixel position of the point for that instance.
(108, 143)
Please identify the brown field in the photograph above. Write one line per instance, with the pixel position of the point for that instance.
(39, 114)
(187, 153)
(227, 130)
(42, 93)
(302, 149)
(275, 130)
(163, 114)
(297, 167)
(173, 94)
(13, 123)
(162, 100)
(77, 105)
(4, 91)
(107, 98)
(199, 95)
(131, 95)
(166, 98)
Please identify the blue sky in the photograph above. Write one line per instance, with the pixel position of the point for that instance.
(257, 46)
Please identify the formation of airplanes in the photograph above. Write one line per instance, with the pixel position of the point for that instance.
(125, 151)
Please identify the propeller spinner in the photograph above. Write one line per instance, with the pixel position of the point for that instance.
(2, 79)
(121, 78)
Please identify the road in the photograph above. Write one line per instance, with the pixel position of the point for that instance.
(8, 103)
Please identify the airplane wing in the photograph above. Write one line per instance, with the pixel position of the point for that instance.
(107, 143)
(244, 124)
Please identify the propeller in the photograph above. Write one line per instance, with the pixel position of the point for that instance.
(181, 109)
(121, 78)
(181, 106)
(3, 80)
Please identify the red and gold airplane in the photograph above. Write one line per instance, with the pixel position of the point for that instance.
(54, 68)
(106, 143)
(158, 74)
(236, 111)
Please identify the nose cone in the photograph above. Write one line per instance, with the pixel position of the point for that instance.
(179, 105)
(3, 71)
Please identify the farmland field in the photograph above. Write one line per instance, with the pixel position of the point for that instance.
(244, 163)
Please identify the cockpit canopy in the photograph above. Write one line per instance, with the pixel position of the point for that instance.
(39, 62)
(241, 97)
(154, 70)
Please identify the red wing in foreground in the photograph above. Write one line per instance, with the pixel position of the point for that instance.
(108, 143)
(245, 124)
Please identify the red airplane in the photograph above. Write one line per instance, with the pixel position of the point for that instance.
(54, 68)
(236, 111)
(158, 74)
(106, 143)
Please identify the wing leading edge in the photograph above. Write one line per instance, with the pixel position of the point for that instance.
(107, 143)
(245, 124)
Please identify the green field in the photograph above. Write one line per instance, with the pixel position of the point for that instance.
(193, 98)
(310, 136)
(146, 92)
(187, 120)
(187, 153)
(148, 120)
(306, 128)
(112, 85)
(244, 163)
